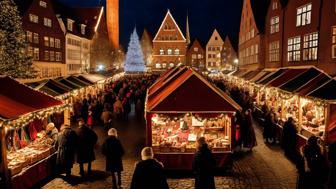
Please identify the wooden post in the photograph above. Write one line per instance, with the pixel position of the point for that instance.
(5, 178)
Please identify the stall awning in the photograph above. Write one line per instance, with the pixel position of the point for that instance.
(313, 84)
(250, 74)
(260, 76)
(77, 81)
(285, 77)
(239, 72)
(94, 78)
(300, 80)
(270, 77)
(190, 92)
(227, 72)
(68, 83)
(53, 88)
(326, 91)
(80, 77)
(166, 78)
(16, 99)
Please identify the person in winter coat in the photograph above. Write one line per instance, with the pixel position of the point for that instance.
(87, 139)
(248, 135)
(332, 159)
(106, 117)
(66, 145)
(113, 151)
(118, 108)
(203, 166)
(289, 138)
(52, 134)
(149, 173)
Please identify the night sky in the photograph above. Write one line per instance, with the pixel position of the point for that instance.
(204, 16)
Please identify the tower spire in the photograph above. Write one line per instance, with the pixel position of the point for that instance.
(187, 30)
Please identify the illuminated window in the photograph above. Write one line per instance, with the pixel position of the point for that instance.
(43, 4)
(52, 42)
(303, 15)
(58, 56)
(157, 65)
(274, 51)
(29, 36)
(46, 55)
(310, 46)
(274, 24)
(33, 18)
(36, 55)
(293, 49)
(58, 43)
(169, 51)
(161, 52)
(36, 38)
(177, 51)
(46, 41)
(70, 24)
(47, 22)
(333, 53)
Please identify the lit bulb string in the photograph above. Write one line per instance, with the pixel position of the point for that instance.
(176, 118)
(29, 117)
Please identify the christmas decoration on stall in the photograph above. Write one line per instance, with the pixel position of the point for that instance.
(14, 59)
(134, 58)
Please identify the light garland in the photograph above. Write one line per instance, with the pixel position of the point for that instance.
(176, 118)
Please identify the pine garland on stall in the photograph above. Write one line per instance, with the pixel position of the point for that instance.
(14, 59)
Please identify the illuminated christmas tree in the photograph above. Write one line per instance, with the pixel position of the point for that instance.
(14, 59)
(134, 58)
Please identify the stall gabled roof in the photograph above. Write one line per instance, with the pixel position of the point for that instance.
(260, 75)
(300, 80)
(285, 77)
(326, 91)
(94, 78)
(166, 81)
(251, 74)
(313, 84)
(53, 87)
(68, 83)
(166, 77)
(191, 93)
(80, 77)
(270, 77)
(77, 81)
(16, 99)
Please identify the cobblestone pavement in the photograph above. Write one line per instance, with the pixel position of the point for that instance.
(263, 168)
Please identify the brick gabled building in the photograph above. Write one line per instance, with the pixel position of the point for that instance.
(228, 55)
(45, 37)
(213, 51)
(147, 47)
(251, 35)
(196, 56)
(274, 28)
(169, 45)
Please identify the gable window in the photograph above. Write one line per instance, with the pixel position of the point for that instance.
(33, 18)
(58, 43)
(52, 42)
(169, 51)
(216, 38)
(177, 51)
(310, 46)
(275, 5)
(273, 51)
(161, 52)
(274, 24)
(195, 49)
(46, 55)
(29, 36)
(158, 65)
(303, 15)
(43, 4)
(83, 29)
(36, 38)
(46, 41)
(293, 49)
(47, 22)
(171, 65)
(58, 56)
(164, 65)
(70, 24)
(333, 53)
(36, 55)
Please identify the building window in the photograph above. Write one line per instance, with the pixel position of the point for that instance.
(58, 43)
(193, 56)
(46, 41)
(199, 56)
(164, 65)
(36, 38)
(195, 49)
(303, 15)
(169, 52)
(36, 55)
(252, 33)
(58, 56)
(29, 36)
(52, 56)
(43, 4)
(171, 65)
(274, 51)
(33, 18)
(52, 42)
(209, 48)
(216, 38)
(69, 24)
(310, 46)
(47, 22)
(209, 55)
(73, 54)
(46, 55)
(158, 65)
(333, 53)
(177, 51)
(161, 52)
(274, 24)
(83, 29)
(293, 49)
(275, 5)
(30, 51)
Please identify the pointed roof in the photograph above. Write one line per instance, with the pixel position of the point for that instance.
(228, 41)
(169, 15)
(146, 36)
(259, 10)
(190, 92)
(187, 30)
(212, 38)
(196, 43)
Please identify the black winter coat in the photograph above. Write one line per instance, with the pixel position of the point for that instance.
(203, 167)
(113, 151)
(149, 174)
(87, 139)
(66, 145)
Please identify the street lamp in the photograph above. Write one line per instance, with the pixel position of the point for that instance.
(236, 61)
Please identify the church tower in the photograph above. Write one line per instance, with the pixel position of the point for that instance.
(112, 18)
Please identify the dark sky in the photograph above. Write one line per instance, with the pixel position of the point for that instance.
(204, 16)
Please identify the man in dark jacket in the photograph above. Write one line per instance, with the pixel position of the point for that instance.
(87, 139)
(113, 150)
(332, 159)
(289, 138)
(149, 173)
(66, 145)
(203, 166)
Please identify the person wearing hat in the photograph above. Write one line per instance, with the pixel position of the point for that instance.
(113, 151)
(203, 166)
(51, 133)
(149, 172)
(66, 148)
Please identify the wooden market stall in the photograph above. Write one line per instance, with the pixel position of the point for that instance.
(183, 106)
(26, 155)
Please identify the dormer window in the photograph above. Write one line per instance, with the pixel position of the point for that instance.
(216, 38)
(83, 29)
(70, 24)
(43, 4)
